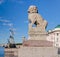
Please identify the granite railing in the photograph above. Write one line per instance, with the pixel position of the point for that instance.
(11, 52)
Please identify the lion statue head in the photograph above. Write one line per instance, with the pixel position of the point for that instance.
(32, 9)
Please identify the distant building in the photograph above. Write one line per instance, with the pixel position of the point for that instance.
(54, 36)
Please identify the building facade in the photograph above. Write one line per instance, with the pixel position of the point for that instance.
(54, 36)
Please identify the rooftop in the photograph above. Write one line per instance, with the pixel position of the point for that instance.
(58, 26)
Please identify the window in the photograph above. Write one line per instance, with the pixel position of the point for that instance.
(57, 45)
(59, 51)
(57, 39)
(57, 34)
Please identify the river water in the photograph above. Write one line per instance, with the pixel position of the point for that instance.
(1, 52)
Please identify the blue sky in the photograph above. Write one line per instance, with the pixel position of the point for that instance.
(13, 13)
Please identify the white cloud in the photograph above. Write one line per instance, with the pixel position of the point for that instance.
(21, 2)
(1, 1)
(8, 24)
(17, 1)
(26, 21)
(4, 21)
(0, 17)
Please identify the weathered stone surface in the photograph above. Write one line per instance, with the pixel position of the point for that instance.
(37, 52)
(11, 52)
(37, 24)
(38, 43)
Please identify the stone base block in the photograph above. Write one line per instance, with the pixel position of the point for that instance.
(37, 43)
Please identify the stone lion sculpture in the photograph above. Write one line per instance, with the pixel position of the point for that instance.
(36, 19)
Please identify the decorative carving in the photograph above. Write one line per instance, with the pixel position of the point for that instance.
(36, 21)
(37, 24)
